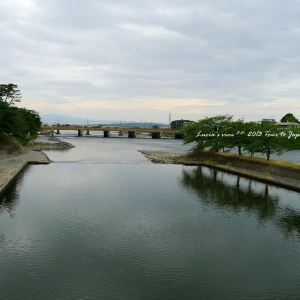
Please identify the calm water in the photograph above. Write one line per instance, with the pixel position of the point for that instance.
(102, 222)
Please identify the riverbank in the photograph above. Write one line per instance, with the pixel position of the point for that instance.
(14, 158)
(43, 143)
(279, 173)
(12, 165)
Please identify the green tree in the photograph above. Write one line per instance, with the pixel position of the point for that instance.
(221, 132)
(239, 138)
(10, 93)
(251, 140)
(264, 138)
(17, 121)
(179, 124)
(270, 142)
(289, 118)
(209, 133)
(293, 140)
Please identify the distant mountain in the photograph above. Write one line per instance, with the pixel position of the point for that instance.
(66, 119)
(73, 120)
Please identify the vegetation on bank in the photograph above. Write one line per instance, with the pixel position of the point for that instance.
(20, 123)
(222, 133)
(179, 124)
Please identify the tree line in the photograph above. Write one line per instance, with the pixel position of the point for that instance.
(15, 121)
(222, 133)
(179, 124)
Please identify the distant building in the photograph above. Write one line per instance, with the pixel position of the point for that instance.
(272, 121)
(286, 125)
(283, 125)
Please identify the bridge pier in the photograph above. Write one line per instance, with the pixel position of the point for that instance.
(156, 135)
(131, 135)
(179, 136)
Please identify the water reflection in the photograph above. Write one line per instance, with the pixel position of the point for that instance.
(212, 189)
(290, 222)
(10, 198)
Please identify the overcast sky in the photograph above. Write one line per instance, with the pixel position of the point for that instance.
(138, 60)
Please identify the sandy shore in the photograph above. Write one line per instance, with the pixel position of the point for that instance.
(277, 173)
(12, 164)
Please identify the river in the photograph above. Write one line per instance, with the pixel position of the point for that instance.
(102, 222)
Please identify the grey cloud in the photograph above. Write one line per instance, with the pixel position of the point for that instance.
(237, 51)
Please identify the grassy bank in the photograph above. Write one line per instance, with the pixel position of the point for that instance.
(10, 145)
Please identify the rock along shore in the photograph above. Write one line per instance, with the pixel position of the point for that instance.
(278, 173)
(12, 164)
(48, 143)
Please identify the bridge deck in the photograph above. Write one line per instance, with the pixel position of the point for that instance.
(137, 130)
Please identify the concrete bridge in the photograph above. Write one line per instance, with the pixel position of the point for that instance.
(155, 133)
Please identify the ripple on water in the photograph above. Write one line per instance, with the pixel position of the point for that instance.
(95, 226)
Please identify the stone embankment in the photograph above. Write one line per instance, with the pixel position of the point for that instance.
(14, 159)
(12, 165)
(278, 173)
